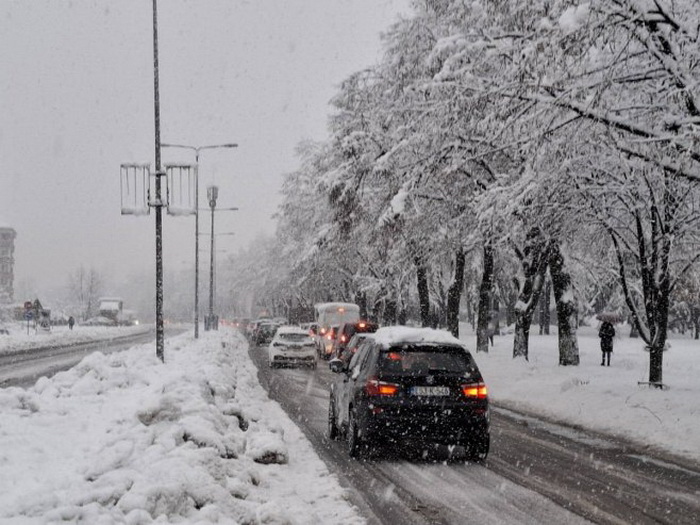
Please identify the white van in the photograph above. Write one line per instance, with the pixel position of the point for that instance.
(329, 317)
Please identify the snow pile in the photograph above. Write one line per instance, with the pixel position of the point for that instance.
(396, 335)
(124, 438)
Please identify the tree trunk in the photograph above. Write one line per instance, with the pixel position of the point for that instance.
(402, 316)
(544, 309)
(454, 294)
(534, 263)
(390, 312)
(566, 310)
(423, 293)
(634, 332)
(484, 308)
(656, 361)
(361, 300)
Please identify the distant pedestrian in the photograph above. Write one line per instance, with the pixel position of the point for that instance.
(606, 334)
(492, 327)
(71, 322)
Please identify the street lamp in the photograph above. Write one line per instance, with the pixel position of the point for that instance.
(196, 150)
(160, 333)
(211, 322)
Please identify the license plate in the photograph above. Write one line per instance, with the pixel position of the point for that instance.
(430, 391)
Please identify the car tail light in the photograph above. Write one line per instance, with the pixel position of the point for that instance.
(374, 387)
(475, 391)
(329, 337)
(323, 331)
(343, 339)
(362, 325)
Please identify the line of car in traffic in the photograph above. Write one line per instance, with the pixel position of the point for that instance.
(393, 385)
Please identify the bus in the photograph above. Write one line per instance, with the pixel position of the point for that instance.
(329, 316)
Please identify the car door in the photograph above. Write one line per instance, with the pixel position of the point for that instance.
(347, 384)
(357, 379)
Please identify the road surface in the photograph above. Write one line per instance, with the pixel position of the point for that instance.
(537, 472)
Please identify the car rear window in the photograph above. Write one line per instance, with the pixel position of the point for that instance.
(294, 337)
(419, 360)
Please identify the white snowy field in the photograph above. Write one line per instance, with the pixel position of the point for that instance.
(608, 399)
(124, 438)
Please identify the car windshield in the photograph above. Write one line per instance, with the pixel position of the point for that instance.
(293, 337)
(417, 360)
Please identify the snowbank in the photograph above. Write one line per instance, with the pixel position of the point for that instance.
(124, 438)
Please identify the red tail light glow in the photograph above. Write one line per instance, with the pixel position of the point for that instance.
(374, 387)
(475, 391)
(343, 339)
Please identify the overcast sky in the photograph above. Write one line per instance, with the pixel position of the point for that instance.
(76, 101)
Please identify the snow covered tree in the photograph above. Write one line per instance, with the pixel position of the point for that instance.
(85, 287)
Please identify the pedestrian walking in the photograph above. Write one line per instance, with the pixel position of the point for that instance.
(71, 322)
(492, 327)
(606, 334)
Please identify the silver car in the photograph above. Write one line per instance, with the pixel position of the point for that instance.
(292, 345)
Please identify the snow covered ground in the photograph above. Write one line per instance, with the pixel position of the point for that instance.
(124, 438)
(609, 399)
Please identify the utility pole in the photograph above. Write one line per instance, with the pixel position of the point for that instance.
(212, 324)
(196, 150)
(160, 335)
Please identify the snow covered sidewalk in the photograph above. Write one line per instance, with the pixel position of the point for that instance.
(607, 399)
(124, 438)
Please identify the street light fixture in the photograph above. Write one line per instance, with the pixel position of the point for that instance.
(196, 150)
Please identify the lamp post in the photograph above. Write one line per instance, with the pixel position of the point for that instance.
(160, 334)
(212, 323)
(196, 150)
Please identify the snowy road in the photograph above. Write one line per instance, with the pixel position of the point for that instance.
(537, 472)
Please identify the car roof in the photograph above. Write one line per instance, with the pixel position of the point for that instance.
(393, 335)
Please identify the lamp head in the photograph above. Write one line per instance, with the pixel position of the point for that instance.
(212, 194)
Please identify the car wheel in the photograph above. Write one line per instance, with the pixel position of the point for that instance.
(478, 448)
(332, 421)
(354, 443)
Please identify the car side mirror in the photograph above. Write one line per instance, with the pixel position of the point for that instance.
(338, 366)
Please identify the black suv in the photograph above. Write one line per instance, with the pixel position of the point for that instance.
(410, 384)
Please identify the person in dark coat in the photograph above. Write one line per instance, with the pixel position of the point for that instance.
(71, 322)
(606, 334)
